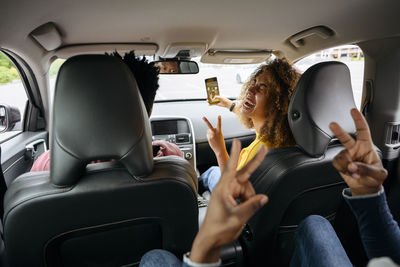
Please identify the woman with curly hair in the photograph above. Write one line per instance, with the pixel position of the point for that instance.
(263, 105)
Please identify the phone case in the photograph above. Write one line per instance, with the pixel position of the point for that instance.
(212, 89)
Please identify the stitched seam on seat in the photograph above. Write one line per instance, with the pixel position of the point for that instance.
(289, 228)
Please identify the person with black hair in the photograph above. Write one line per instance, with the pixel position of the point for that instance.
(146, 75)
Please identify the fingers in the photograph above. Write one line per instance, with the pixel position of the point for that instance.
(232, 163)
(245, 172)
(361, 126)
(248, 192)
(362, 169)
(208, 123)
(346, 140)
(341, 161)
(219, 123)
(247, 209)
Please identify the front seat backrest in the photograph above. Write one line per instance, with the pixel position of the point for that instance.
(301, 180)
(108, 213)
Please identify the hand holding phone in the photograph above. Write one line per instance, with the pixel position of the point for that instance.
(212, 90)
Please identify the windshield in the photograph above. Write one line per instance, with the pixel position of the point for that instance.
(231, 77)
(192, 86)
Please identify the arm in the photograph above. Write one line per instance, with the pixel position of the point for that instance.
(362, 170)
(380, 233)
(225, 103)
(217, 142)
(225, 218)
(167, 148)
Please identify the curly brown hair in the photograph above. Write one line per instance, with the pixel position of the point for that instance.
(282, 81)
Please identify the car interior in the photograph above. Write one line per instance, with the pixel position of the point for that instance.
(60, 92)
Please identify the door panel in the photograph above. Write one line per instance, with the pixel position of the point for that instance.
(19, 153)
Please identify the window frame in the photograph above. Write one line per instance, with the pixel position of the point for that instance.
(34, 112)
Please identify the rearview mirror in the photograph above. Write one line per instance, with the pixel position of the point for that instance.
(173, 66)
(9, 116)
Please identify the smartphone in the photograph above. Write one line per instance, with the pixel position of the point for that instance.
(212, 89)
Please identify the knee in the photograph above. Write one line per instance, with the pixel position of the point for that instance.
(310, 224)
(159, 257)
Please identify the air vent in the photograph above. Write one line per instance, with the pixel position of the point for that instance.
(392, 134)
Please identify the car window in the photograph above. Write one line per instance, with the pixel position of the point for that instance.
(12, 93)
(189, 86)
(192, 86)
(231, 77)
(351, 55)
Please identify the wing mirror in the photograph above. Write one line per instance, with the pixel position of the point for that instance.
(9, 116)
(174, 66)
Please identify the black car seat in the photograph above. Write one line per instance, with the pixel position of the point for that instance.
(103, 214)
(301, 180)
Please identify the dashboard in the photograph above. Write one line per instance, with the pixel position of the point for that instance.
(177, 130)
(180, 122)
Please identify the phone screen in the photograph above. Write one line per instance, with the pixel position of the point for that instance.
(212, 89)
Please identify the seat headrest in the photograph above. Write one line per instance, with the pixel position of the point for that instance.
(322, 95)
(98, 114)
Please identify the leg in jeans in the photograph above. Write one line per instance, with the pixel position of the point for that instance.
(318, 245)
(210, 177)
(159, 257)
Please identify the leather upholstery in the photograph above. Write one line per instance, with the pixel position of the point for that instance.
(92, 94)
(301, 180)
(109, 213)
(322, 95)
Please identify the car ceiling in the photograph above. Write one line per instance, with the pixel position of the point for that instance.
(222, 24)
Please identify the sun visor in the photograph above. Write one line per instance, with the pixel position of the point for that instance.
(48, 36)
(236, 56)
(139, 48)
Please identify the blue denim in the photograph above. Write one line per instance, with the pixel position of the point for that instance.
(159, 257)
(318, 245)
(210, 177)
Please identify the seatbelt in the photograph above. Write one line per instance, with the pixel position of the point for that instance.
(368, 97)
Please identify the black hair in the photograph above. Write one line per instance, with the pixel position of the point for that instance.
(146, 75)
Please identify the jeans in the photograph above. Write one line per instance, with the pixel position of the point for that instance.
(318, 245)
(159, 257)
(210, 177)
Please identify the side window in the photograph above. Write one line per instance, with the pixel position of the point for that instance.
(12, 93)
(351, 55)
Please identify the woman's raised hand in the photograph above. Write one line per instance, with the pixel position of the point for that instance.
(223, 102)
(217, 142)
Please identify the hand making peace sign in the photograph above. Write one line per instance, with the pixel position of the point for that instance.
(359, 164)
(217, 142)
(225, 218)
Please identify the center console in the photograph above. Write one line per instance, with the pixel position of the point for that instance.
(177, 130)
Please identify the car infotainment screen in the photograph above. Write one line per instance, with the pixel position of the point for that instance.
(164, 127)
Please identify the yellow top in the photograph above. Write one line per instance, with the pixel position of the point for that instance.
(249, 152)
